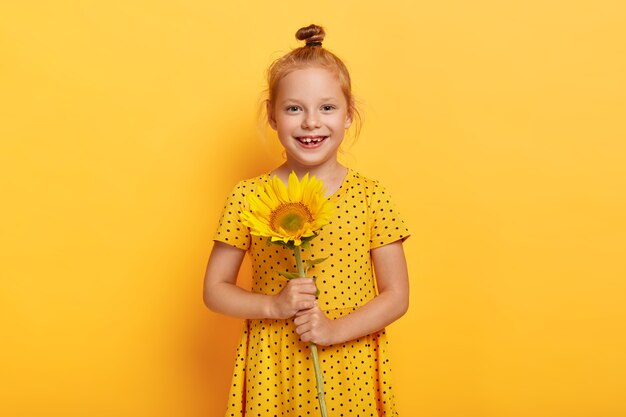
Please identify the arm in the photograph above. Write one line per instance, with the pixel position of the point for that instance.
(390, 304)
(222, 295)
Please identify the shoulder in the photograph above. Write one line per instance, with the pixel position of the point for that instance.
(368, 185)
(376, 194)
(254, 181)
(385, 222)
(245, 186)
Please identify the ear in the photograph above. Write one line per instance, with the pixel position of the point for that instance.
(271, 119)
(348, 122)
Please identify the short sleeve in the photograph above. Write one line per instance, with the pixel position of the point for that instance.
(230, 230)
(386, 224)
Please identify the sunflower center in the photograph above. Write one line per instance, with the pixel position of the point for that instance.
(290, 216)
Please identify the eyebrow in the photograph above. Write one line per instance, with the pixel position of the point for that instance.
(297, 101)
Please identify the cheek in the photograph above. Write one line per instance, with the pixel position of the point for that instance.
(281, 125)
(287, 122)
(284, 128)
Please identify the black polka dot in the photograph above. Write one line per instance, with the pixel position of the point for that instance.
(273, 372)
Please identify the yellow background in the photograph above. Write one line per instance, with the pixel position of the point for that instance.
(498, 127)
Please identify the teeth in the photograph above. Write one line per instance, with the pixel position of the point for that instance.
(309, 140)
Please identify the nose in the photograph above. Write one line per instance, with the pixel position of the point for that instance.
(311, 121)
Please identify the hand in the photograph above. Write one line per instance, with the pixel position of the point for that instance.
(313, 326)
(298, 294)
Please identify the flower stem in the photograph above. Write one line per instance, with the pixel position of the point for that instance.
(320, 380)
(296, 251)
(316, 362)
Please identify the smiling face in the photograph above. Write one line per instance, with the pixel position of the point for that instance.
(310, 115)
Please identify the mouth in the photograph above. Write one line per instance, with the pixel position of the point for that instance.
(311, 141)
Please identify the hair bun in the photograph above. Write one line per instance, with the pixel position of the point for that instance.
(313, 35)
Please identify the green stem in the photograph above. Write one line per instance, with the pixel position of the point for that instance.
(296, 251)
(320, 380)
(316, 362)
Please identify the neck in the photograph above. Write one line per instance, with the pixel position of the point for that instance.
(327, 170)
(332, 173)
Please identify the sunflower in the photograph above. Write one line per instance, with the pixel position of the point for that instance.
(288, 215)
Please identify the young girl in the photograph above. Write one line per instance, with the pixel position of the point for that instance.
(363, 284)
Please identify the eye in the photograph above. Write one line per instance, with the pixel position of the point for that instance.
(328, 107)
(292, 109)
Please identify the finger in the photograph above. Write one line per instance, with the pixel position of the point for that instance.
(306, 311)
(301, 281)
(304, 288)
(299, 320)
(303, 328)
(311, 303)
(311, 312)
(308, 289)
(304, 296)
(302, 312)
(309, 335)
(306, 304)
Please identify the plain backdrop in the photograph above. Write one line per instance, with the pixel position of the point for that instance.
(498, 128)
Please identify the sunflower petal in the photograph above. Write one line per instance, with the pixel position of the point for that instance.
(279, 190)
(293, 188)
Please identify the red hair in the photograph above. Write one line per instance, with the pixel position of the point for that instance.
(311, 55)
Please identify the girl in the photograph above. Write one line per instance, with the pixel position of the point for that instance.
(363, 284)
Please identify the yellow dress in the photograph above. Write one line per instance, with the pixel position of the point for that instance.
(273, 373)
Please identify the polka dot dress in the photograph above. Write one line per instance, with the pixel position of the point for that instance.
(273, 373)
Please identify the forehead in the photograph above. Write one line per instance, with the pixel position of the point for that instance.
(310, 82)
